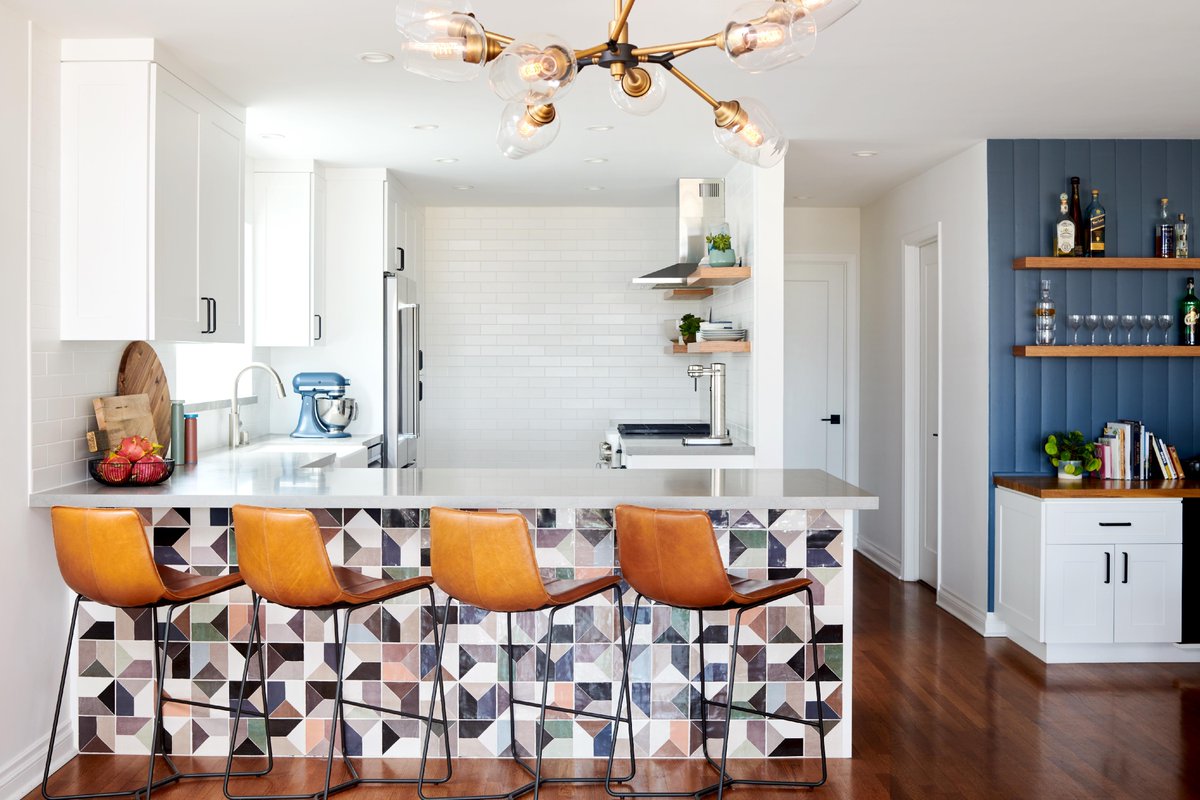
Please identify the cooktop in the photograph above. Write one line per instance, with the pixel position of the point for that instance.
(663, 429)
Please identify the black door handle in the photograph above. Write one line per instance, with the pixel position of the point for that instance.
(1125, 578)
(401, 267)
(1107, 567)
(320, 328)
(833, 419)
(210, 325)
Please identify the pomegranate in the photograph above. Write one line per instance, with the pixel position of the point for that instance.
(115, 468)
(149, 469)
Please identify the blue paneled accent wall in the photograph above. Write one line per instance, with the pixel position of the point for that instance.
(1031, 397)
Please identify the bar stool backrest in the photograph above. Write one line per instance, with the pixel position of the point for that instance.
(104, 555)
(485, 560)
(281, 556)
(672, 557)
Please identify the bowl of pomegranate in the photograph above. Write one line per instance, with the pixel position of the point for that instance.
(135, 462)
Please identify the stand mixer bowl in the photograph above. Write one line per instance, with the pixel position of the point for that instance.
(336, 413)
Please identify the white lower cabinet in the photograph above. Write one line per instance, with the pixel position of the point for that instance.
(1091, 580)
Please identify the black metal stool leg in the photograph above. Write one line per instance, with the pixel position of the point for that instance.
(737, 629)
(812, 643)
(340, 648)
(619, 609)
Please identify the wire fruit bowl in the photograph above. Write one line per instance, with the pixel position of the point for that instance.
(139, 473)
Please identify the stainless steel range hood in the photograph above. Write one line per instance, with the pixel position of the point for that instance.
(701, 204)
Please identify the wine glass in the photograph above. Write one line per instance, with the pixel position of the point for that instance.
(1128, 321)
(1109, 321)
(1091, 322)
(1165, 321)
(1148, 322)
(1073, 322)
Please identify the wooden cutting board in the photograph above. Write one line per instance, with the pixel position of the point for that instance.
(142, 373)
(125, 415)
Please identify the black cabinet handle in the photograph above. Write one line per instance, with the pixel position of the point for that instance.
(1125, 578)
(833, 419)
(401, 267)
(209, 323)
(1107, 567)
(420, 360)
(420, 391)
(214, 324)
(1116, 524)
(320, 328)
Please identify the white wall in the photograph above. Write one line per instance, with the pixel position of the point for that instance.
(822, 231)
(953, 194)
(535, 339)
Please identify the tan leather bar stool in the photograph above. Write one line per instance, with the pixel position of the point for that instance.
(486, 560)
(671, 557)
(104, 556)
(283, 560)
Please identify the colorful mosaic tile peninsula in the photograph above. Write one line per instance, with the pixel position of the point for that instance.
(391, 653)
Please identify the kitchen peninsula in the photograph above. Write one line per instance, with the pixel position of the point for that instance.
(769, 524)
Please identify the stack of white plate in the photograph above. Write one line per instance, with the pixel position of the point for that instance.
(723, 335)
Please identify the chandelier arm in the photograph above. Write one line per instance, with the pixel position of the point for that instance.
(621, 21)
(679, 48)
(499, 37)
(581, 55)
(691, 84)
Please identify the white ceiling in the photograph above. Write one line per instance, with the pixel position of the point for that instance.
(916, 81)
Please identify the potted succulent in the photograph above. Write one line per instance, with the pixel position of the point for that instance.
(720, 248)
(689, 326)
(1071, 454)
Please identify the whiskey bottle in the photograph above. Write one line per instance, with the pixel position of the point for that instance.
(1181, 237)
(1064, 230)
(1095, 216)
(1164, 233)
(1189, 315)
(1043, 314)
(1080, 248)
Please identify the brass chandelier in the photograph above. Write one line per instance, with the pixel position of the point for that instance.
(443, 40)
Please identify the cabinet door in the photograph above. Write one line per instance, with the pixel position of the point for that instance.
(178, 312)
(222, 224)
(1149, 593)
(1080, 582)
(283, 240)
(319, 323)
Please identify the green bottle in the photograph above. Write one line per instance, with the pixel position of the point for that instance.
(1190, 313)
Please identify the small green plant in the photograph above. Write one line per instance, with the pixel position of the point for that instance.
(689, 325)
(1064, 447)
(719, 241)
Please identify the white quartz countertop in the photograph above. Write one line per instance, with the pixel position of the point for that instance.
(281, 477)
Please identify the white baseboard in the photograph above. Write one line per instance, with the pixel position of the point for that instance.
(885, 561)
(963, 611)
(994, 627)
(24, 772)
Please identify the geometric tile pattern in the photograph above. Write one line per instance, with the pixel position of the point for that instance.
(391, 653)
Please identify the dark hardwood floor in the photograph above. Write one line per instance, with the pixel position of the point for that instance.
(938, 712)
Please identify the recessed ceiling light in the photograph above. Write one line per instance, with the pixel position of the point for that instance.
(865, 154)
(446, 160)
(595, 161)
(464, 188)
(424, 127)
(600, 128)
(594, 188)
(376, 57)
(273, 136)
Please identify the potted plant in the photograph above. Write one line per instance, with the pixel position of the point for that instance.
(689, 326)
(720, 248)
(1071, 454)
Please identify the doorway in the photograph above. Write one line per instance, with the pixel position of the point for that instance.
(820, 357)
(922, 407)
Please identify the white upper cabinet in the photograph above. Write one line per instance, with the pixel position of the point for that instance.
(289, 258)
(152, 219)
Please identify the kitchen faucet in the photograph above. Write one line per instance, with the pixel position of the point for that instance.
(718, 431)
(237, 436)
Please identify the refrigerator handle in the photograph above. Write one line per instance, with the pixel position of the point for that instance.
(418, 367)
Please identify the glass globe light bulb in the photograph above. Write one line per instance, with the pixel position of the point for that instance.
(525, 130)
(410, 11)
(534, 70)
(451, 47)
(749, 134)
(826, 12)
(640, 94)
(766, 34)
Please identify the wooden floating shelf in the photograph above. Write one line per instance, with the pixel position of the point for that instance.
(709, 277)
(687, 294)
(698, 348)
(1106, 263)
(1106, 351)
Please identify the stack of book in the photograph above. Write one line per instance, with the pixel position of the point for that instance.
(1128, 451)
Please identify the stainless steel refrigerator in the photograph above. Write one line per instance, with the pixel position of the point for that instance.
(402, 363)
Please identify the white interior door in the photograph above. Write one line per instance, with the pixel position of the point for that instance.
(815, 367)
(931, 313)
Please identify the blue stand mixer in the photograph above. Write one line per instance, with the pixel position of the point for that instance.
(325, 411)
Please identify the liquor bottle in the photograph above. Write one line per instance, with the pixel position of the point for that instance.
(1095, 215)
(1181, 237)
(1043, 314)
(1190, 315)
(1080, 248)
(1064, 230)
(1164, 233)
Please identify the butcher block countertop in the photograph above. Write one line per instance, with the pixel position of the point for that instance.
(1050, 487)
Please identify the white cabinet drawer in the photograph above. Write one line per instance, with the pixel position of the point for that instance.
(1114, 521)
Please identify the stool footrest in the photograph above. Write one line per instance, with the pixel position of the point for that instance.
(392, 711)
(563, 710)
(812, 723)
